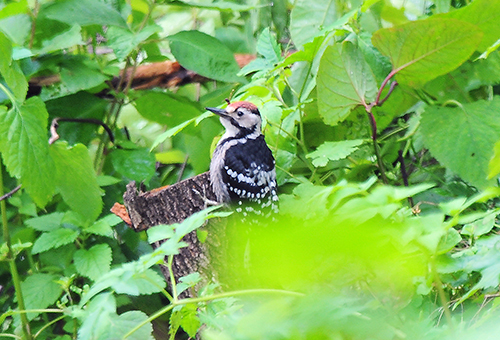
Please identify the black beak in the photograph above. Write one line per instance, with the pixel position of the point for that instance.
(217, 111)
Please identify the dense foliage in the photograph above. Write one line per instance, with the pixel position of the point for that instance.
(384, 119)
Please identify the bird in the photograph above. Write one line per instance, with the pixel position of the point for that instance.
(242, 169)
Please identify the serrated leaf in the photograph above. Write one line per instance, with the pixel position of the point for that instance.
(129, 320)
(139, 282)
(462, 138)
(425, 49)
(84, 13)
(268, 47)
(76, 179)
(40, 291)
(93, 263)
(189, 319)
(47, 222)
(103, 226)
(205, 55)
(123, 40)
(188, 281)
(344, 82)
(97, 318)
(10, 70)
(333, 151)
(54, 239)
(25, 150)
(484, 14)
(309, 17)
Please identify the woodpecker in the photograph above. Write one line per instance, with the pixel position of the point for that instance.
(242, 170)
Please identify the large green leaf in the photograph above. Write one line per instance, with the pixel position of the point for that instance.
(84, 13)
(166, 108)
(80, 74)
(484, 14)
(77, 180)
(344, 81)
(25, 149)
(94, 262)
(40, 290)
(423, 50)
(462, 138)
(309, 17)
(205, 55)
(10, 70)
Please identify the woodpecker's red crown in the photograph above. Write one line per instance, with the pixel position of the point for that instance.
(242, 104)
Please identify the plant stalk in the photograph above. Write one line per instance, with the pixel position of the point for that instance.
(12, 263)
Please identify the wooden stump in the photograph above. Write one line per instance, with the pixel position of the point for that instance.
(168, 205)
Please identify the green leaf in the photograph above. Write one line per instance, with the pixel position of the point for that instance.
(47, 222)
(344, 82)
(129, 320)
(137, 165)
(205, 55)
(76, 179)
(40, 291)
(78, 75)
(480, 227)
(462, 138)
(78, 105)
(188, 281)
(448, 241)
(485, 260)
(170, 133)
(494, 164)
(84, 13)
(64, 40)
(10, 71)
(268, 47)
(103, 226)
(17, 28)
(189, 319)
(123, 40)
(54, 239)
(166, 108)
(309, 17)
(93, 263)
(333, 151)
(423, 50)
(97, 318)
(14, 8)
(484, 14)
(25, 149)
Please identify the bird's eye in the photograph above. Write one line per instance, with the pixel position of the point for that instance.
(240, 113)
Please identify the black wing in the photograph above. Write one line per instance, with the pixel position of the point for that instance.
(249, 173)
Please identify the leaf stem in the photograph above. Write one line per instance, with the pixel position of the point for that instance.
(12, 263)
(210, 298)
(441, 294)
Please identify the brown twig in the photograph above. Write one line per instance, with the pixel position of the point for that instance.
(9, 194)
(55, 124)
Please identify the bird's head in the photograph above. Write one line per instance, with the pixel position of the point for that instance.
(239, 118)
